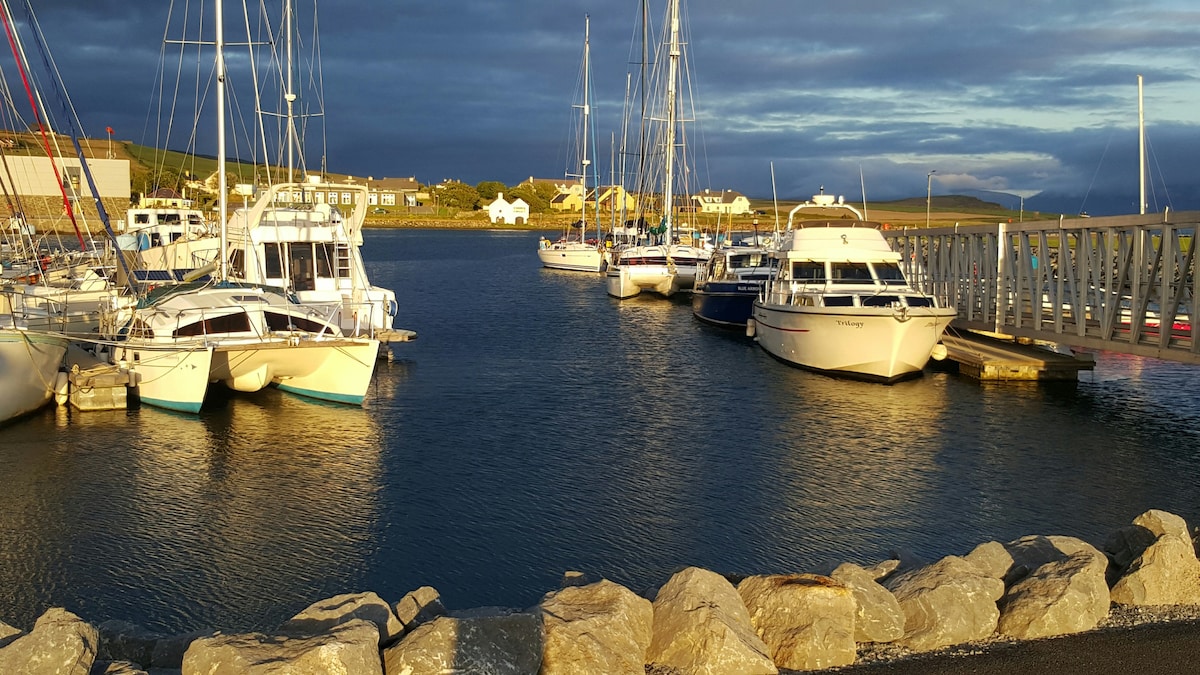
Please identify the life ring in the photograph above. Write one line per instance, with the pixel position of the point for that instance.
(392, 308)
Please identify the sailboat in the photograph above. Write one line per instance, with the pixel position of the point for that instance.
(29, 362)
(254, 336)
(658, 262)
(573, 252)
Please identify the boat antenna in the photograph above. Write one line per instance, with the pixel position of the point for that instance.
(775, 197)
(863, 183)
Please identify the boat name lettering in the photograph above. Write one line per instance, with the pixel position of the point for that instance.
(851, 324)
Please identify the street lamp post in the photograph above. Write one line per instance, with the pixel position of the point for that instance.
(928, 194)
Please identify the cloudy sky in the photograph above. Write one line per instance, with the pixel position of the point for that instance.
(1027, 97)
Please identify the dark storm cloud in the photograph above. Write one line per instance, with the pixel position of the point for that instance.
(1021, 96)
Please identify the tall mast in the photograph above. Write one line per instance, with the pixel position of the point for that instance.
(1141, 151)
(587, 24)
(672, 74)
(290, 94)
(222, 179)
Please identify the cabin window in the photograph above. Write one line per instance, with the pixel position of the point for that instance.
(879, 300)
(889, 273)
(280, 322)
(141, 219)
(169, 218)
(273, 261)
(919, 301)
(324, 261)
(839, 300)
(237, 263)
(230, 323)
(808, 271)
(302, 267)
(850, 273)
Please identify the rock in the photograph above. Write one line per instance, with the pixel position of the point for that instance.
(320, 616)
(1167, 573)
(1162, 522)
(573, 578)
(125, 641)
(601, 628)
(883, 569)
(1060, 597)
(501, 644)
(169, 650)
(1033, 551)
(877, 617)
(946, 603)
(350, 648)
(992, 559)
(59, 644)
(1124, 546)
(701, 627)
(418, 607)
(8, 634)
(805, 620)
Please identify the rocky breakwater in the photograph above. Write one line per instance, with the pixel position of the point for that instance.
(698, 622)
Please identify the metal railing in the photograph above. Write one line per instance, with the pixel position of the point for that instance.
(1122, 283)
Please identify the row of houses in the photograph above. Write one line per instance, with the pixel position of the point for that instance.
(570, 198)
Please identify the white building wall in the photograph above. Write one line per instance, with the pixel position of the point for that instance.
(35, 176)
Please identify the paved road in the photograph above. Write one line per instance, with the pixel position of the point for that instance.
(1150, 648)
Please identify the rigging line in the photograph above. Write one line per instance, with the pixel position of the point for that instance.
(1097, 173)
(75, 133)
(22, 67)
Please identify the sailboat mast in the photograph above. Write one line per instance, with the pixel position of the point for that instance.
(672, 75)
(1141, 152)
(586, 128)
(222, 178)
(290, 94)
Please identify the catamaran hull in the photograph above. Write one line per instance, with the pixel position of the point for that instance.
(173, 378)
(29, 365)
(581, 259)
(876, 344)
(329, 370)
(626, 281)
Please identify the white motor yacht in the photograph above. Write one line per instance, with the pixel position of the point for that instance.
(839, 303)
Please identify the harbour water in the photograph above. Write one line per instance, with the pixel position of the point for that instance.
(538, 426)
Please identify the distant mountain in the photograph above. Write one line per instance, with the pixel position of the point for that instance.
(965, 203)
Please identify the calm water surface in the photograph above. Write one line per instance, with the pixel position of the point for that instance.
(538, 426)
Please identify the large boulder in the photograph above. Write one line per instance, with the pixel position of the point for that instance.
(322, 615)
(877, 614)
(1162, 522)
(946, 603)
(1125, 545)
(350, 648)
(1033, 551)
(597, 629)
(805, 620)
(497, 644)
(169, 650)
(419, 606)
(701, 627)
(59, 644)
(992, 559)
(1166, 573)
(1060, 597)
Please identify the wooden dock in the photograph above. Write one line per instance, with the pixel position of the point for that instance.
(989, 358)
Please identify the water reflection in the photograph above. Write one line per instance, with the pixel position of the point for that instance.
(202, 508)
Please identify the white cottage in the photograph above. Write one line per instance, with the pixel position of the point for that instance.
(503, 212)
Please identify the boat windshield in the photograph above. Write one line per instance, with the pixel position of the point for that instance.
(889, 273)
(850, 273)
